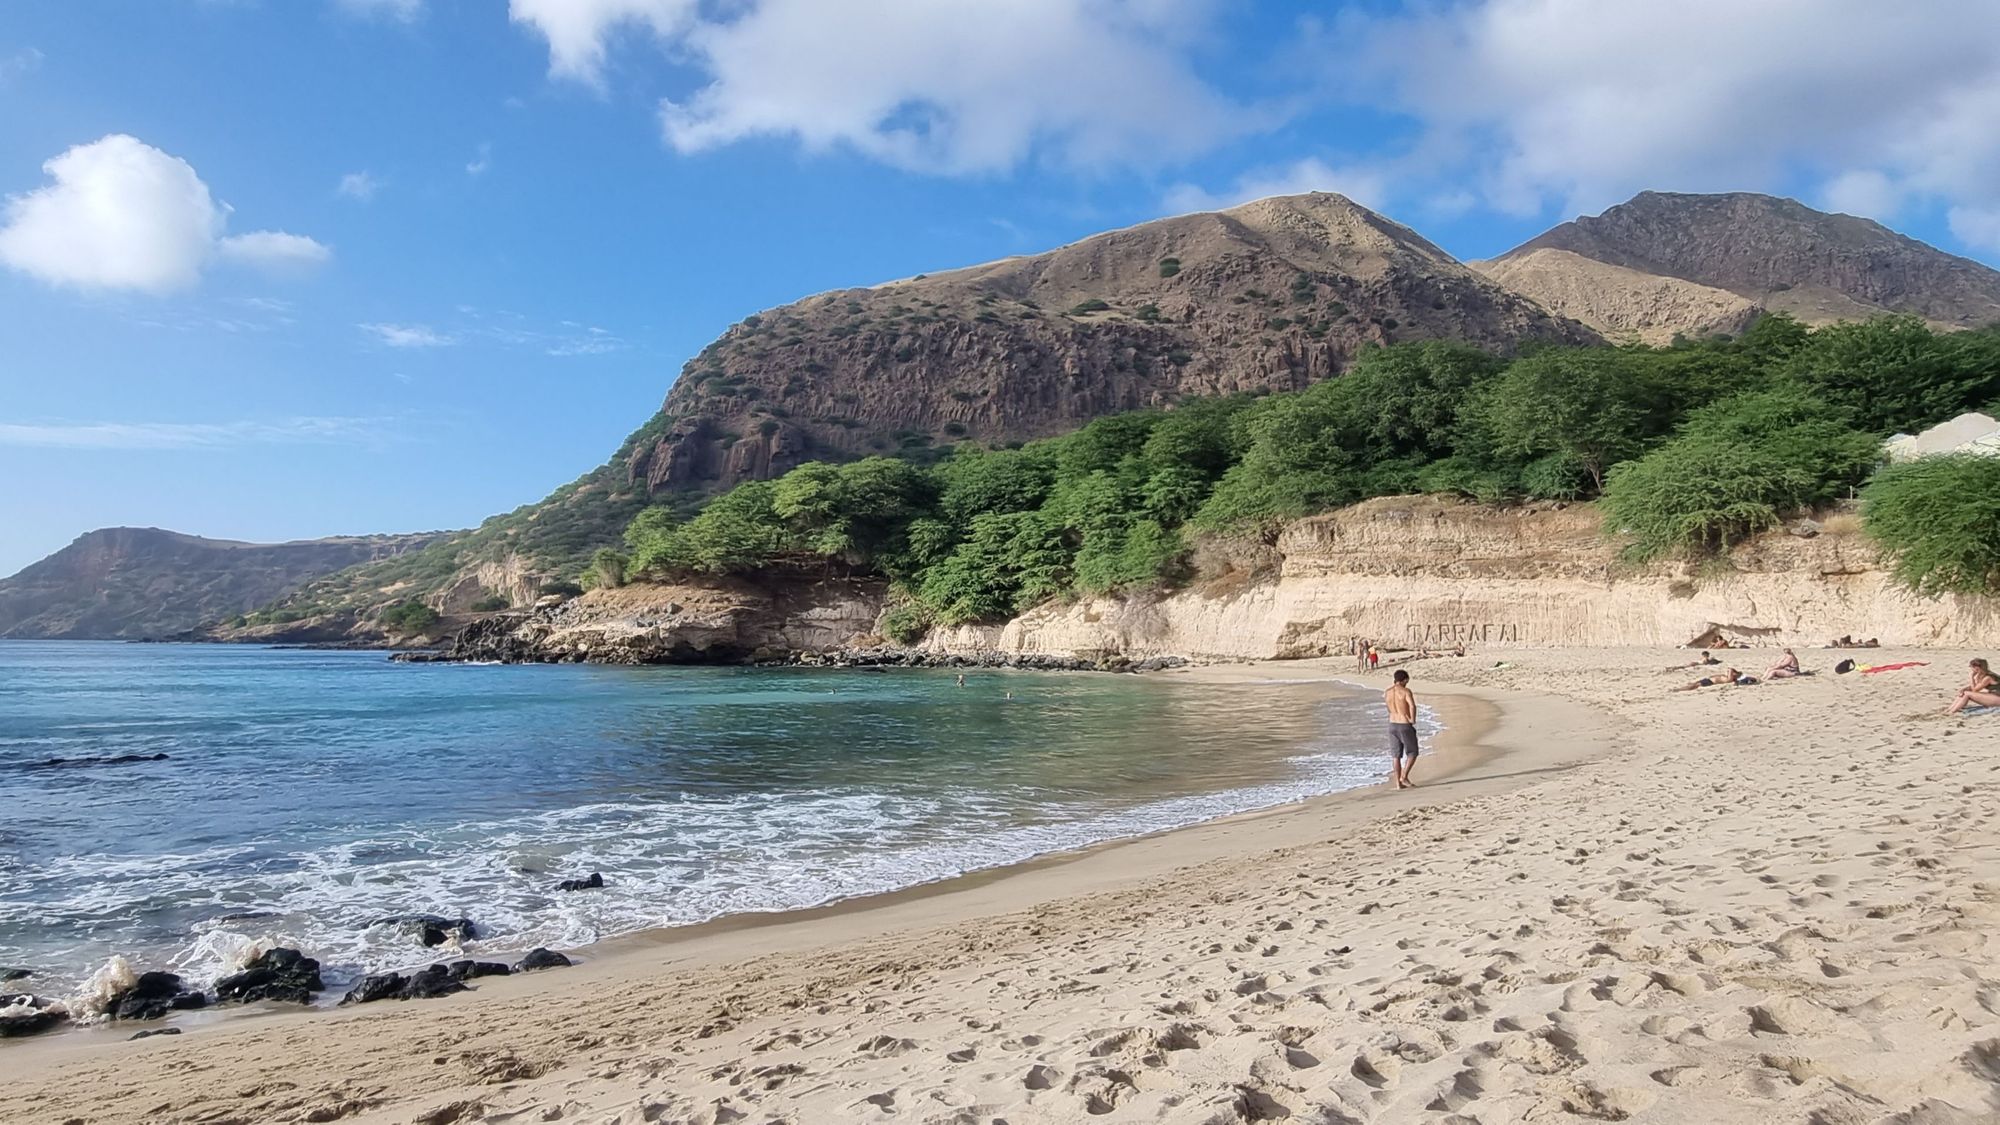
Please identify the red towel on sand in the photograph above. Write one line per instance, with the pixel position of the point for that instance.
(1893, 667)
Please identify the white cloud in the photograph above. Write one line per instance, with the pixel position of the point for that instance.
(929, 86)
(358, 185)
(186, 435)
(275, 251)
(408, 335)
(478, 165)
(577, 30)
(1582, 103)
(401, 11)
(1365, 185)
(1976, 226)
(121, 214)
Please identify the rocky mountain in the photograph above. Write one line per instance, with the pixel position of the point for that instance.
(131, 582)
(1663, 263)
(1272, 295)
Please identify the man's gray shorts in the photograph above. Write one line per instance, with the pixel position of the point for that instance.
(1402, 740)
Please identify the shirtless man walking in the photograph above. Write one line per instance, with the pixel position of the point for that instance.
(1402, 729)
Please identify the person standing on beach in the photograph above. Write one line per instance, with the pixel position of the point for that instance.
(1402, 730)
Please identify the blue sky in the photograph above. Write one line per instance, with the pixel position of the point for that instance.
(287, 268)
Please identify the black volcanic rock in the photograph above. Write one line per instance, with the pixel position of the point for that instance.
(280, 974)
(542, 959)
(423, 984)
(22, 1015)
(595, 881)
(152, 997)
(431, 929)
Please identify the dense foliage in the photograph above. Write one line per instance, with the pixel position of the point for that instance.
(1939, 517)
(408, 618)
(1692, 447)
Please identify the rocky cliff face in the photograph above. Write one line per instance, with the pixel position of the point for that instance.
(1777, 254)
(1272, 295)
(129, 582)
(1406, 571)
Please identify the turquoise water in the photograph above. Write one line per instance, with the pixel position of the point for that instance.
(306, 793)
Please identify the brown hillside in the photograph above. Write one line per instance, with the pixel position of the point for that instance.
(1271, 295)
(1777, 253)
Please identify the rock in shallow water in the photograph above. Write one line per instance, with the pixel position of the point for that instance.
(595, 881)
(431, 929)
(466, 970)
(281, 974)
(152, 997)
(542, 959)
(29, 1015)
(152, 1031)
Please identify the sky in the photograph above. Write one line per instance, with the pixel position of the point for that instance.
(276, 269)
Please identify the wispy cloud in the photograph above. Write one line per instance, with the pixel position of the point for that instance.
(408, 335)
(478, 165)
(15, 64)
(189, 435)
(508, 330)
(358, 185)
(398, 11)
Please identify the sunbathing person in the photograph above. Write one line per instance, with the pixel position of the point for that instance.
(1981, 689)
(1784, 669)
(1706, 661)
(1726, 676)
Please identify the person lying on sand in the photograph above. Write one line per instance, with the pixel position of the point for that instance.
(1726, 676)
(1706, 661)
(1785, 668)
(1402, 730)
(1982, 689)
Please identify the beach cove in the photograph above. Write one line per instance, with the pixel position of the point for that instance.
(1745, 905)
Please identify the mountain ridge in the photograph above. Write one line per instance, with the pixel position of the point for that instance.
(1774, 252)
(1274, 294)
(141, 582)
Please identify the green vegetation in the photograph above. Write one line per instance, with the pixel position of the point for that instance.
(408, 618)
(1691, 447)
(490, 603)
(1169, 266)
(1939, 517)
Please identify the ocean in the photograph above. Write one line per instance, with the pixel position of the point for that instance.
(304, 794)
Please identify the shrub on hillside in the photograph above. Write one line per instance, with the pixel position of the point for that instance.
(906, 624)
(408, 618)
(1939, 517)
(1736, 468)
(490, 603)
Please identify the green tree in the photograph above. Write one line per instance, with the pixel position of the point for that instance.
(1736, 468)
(1895, 374)
(1593, 404)
(1939, 517)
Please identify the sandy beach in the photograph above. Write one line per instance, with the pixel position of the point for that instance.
(1605, 902)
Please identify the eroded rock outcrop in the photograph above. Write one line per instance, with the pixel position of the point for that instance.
(1411, 571)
